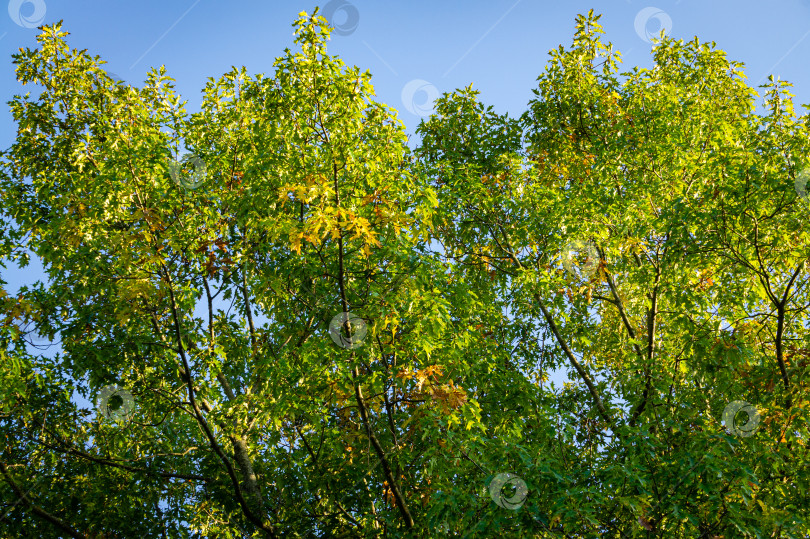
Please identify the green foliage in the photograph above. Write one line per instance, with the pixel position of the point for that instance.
(641, 231)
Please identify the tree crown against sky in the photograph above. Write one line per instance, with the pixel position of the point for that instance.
(308, 328)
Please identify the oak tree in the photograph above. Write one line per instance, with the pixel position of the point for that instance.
(304, 327)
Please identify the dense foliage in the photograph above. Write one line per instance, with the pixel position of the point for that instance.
(645, 232)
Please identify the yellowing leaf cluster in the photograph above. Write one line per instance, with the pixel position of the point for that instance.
(448, 395)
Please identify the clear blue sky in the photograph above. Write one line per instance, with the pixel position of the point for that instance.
(501, 46)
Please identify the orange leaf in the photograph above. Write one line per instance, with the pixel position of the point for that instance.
(434, 370)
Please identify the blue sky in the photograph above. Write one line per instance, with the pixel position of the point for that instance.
(414, 49)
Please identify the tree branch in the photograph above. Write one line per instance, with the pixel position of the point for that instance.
(358, 392)
(248, 473)
(40, 512)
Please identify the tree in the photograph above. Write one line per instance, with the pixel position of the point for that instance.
(326, 333)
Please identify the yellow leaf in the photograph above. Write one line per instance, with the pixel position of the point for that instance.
(405, 374)
(295, 241)
(421, 378)
(456, 397)
(434, 370)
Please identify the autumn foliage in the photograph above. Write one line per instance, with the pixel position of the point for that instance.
(644, 234)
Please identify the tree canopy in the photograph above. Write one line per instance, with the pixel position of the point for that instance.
(305, 326)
